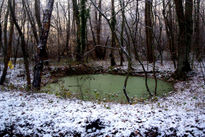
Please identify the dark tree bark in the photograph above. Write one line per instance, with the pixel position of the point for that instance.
(93, 34)
(38, 14)
(197, 29)
(122, 4)
(5, 31)
(149, 30)
(23, 44)
(158, 38)
(67, 18)
(113, 26)
(83, 15)
(170, 31)
(8, 48)
(185, 37)
(189, 27)
(99, 23)
(76, 15)
(15, 51)
(68, 29)
(31, 19)
(1, 43)
(41, 49)
(59, 32)
(99, 51)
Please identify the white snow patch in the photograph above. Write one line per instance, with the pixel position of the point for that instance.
(181, 113)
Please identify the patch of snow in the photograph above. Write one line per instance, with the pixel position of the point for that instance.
(179, 114)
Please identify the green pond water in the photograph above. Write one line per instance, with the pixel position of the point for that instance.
(105, 87)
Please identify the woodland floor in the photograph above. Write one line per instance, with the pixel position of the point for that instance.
(181, 113)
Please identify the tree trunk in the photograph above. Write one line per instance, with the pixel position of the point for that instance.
(170, 31)
(68, 30)
(149, 30)
(76, 15)
(5, 31)
(113, 25)
(23, 44)
(185, 36)
(1, 43)
(31, 19)
(189, 27)
(59, 32)
(8, 49)
(38, 14)
(197, 30)
(99, 51)
(41, 49)
(122, 4)
(83, 27)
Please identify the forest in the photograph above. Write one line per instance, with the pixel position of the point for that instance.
(124, 68)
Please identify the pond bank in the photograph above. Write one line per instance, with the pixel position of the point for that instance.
(179, 114)
(84, 69)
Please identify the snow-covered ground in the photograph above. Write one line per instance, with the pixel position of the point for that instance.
(182, 113)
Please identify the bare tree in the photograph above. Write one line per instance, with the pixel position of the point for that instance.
(59, 31)
(76, 16)
(84, 17)
(81, 16)
(168, 19)
(23, 43)
(68, 28)
(122, 4)
(100, 52)
(5, 29)
(41, 49)
(31, 19)
(1, 43)
(197, 29)
(7, 49)
(185, 22)
(38, 15)
(113, 32)
(149, 30)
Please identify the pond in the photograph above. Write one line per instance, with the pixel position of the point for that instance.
(105, 87)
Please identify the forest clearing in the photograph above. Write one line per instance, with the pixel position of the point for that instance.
(88, 68)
